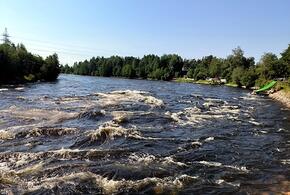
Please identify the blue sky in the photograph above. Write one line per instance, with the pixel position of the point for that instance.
(80, 29)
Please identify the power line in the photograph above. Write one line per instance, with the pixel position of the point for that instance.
(68, 57)
(63, 52)
(65, 45)
(63, 48)
(71, 50)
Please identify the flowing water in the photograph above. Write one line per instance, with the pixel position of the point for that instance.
(90, 135)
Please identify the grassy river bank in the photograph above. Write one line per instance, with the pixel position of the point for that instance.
(280, 93)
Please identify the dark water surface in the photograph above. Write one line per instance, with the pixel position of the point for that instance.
(83, 135)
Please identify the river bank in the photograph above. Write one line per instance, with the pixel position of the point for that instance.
(281, 96)
(206, 82)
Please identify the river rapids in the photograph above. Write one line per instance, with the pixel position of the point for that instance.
(89, 135)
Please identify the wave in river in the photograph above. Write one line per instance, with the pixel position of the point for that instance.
(128, 142)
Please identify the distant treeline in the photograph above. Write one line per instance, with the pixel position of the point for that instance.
(17, 65)
(236, 68)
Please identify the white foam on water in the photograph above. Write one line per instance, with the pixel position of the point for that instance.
(178, 181)
(213, 99)
(3, 89)
(111, 130)
(223, 182)
(21, 98)
(69, 100)
(53, 116)
(49, 131)
(129, 92)
(8, 177)
(169, 160)
(249, 97)
(13, 130)
(215, 164)
(141, 158)
(18, 158)
(118, 97)
(209, 139)
(281, 130)
(64, 150)
(254, 122)
(19, 88)
(146, 159)
(139, 136)
(122, 116)
(154, 101)
(195, 116)
(218, 164)
(285, 161)
(4, 166)
(31, 169)
(196, 143)
(111, 186)
(5, 135)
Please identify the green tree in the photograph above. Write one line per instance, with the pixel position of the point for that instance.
(190, 66)
(268, 66)
(215, 67)
(50, 69)
(235, 60)
(237, 75)
(128, 71)
(18, 65)
(248, 77)
(201, 70)
(285, 62)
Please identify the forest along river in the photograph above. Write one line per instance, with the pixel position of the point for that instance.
(119, 136)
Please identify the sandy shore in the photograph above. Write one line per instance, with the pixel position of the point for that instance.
(282, 97)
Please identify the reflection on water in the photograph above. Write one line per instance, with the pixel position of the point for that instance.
(106, 135)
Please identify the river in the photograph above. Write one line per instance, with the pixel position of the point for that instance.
(94, 135)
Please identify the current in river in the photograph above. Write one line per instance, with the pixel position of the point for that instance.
(95, 135)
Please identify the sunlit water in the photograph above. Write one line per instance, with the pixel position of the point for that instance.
(84, 135)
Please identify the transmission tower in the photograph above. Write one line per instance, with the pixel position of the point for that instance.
(6, 37)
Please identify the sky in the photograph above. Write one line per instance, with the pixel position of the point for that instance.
(80, 29)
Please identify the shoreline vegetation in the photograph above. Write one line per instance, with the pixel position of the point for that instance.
(18, 66)
(236, 70)
(280, 92)
(205, 82)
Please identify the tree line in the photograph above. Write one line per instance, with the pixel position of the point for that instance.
(236, 68)
(17, 65)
